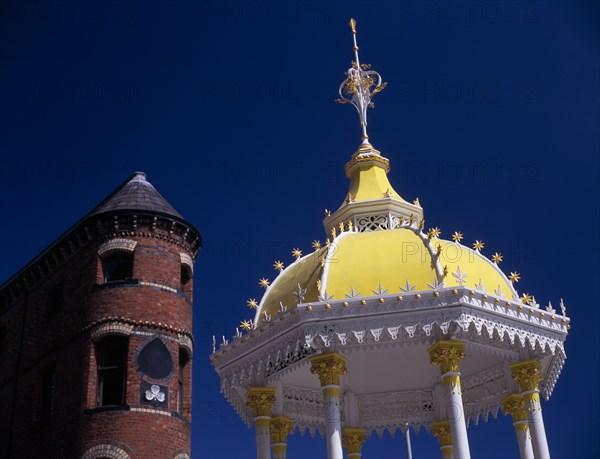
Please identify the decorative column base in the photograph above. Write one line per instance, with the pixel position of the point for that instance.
(352, 440)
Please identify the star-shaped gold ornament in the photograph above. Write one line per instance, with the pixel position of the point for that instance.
(278, 265)
(514, 276)
(433, 232)
(457, 236)
(252, 303)
(497, 258)
(297, 253)
(478, 245)
(264, 282)
(246, 325)
(526, 298)
(316, 244)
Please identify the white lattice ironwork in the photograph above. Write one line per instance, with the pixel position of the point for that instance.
(375, 222)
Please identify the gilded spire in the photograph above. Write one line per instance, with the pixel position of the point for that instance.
(360, 85)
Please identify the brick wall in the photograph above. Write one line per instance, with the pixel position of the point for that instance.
(151, 305)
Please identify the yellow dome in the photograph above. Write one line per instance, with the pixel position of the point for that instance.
(364, 261)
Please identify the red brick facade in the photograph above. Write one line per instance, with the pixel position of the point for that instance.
(49, 386)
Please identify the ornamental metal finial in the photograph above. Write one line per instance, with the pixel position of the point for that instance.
(361, 84)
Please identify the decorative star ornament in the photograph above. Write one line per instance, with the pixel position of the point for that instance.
(436, 285)
(299, 293)
(252, 303)
(278, 265)
(514, 276)
(479, 286)
(380, 291)
(325, 296)
(316, 244)
(408, 288)
(497, 258)
(478, 245)
(457, 236)
(526, 298)
(246, 325)
(353, 293)
(460, 277)
(296, 253)
(434, 232)
(264, 283)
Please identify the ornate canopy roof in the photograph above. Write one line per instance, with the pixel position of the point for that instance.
(381, 290)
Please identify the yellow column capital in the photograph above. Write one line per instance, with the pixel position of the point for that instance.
(447, 354)
(260, 399)
(328, 367)
(515, 406)
(352, 440)
(280, 428)
(441, 430)
(527, 374)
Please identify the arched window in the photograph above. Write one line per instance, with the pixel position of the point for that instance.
(184, 358)
(118, 266)
(54, 301)
(111, 356)
(186, 275)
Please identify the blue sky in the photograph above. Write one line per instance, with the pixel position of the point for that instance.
(490, 118)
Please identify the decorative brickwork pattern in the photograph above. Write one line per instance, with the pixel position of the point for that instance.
(116, 245)
(111, 328)
(187, 260)
(105, 451)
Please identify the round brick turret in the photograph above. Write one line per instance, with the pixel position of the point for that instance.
(111, 369)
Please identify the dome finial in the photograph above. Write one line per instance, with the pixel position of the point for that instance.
(359, 87)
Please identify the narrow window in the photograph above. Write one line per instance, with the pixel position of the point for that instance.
(54, 301)
(186, 275)
(111, 357)
(118, 266)
(183, 361)
(47, 400)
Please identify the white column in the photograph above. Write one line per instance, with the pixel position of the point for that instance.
(448, 354)
(329, 367)
(260, 399)
(515, 406)
(528, 374)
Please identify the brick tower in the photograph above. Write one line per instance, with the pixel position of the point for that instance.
(96, 336)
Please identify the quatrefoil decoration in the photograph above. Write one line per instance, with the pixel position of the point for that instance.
(155, 394)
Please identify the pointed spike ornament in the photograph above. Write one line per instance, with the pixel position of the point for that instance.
(360, 85)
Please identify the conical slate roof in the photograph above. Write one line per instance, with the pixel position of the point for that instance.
(136, 194)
